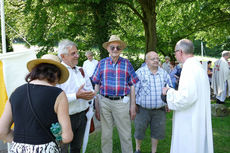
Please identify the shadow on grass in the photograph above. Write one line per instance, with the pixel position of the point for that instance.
(221, 137)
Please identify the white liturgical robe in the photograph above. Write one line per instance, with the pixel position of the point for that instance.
(192, 125)
(221, 74)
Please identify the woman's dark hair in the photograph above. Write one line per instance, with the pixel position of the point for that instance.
(44, 71)
(209, 62)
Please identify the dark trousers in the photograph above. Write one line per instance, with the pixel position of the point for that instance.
(78, 123)
(93, 84)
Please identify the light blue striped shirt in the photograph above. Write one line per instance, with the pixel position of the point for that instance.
(149, 88)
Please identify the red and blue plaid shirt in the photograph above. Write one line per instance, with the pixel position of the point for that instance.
(114, 79)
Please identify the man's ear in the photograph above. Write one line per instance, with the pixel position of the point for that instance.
(62, 56)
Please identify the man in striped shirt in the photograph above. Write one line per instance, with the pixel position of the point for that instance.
(151, 109)
(115, 77)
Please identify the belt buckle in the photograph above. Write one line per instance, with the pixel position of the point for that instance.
(114, 97)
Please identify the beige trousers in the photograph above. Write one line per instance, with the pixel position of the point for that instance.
(115, 112)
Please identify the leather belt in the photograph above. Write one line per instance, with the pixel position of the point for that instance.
(114, 97)
(161, 108)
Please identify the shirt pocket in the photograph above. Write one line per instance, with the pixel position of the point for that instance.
(121, 78)
(145, 83)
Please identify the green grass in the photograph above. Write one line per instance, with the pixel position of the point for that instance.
(221, 137)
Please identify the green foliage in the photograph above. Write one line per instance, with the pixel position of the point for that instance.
(90, 23)
(226, 44)
(130, 28)
(211, 52)
(134, 59)
(82, 58)
(199, 19)
(9, 47)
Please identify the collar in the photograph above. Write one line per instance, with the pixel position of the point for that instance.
(111, 61)
(68, 67)
(148, 70)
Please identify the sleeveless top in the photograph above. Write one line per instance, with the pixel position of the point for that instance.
(27, 129)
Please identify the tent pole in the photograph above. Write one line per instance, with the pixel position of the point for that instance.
(202, 49)
(3, 28)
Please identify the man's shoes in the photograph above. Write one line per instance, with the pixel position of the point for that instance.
(219, 102)
(138, 151)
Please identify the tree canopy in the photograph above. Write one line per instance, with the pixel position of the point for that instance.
(144, 24)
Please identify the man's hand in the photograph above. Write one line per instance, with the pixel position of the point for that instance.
(167, 108)
(164, 90)
(132, 111)
(83, 94)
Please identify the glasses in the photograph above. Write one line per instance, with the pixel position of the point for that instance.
(153, 59)
(176, 51)
(74, 54)
(115, 47)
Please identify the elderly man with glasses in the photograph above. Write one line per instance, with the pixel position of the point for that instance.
(192, 123)
(79, 91)
(151, 109)
(115, 77)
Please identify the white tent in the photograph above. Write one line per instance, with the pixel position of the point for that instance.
(12, 66)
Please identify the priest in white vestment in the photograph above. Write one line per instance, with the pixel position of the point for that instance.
(192, 126)
(221, 77)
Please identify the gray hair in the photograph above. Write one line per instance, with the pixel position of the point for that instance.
(185, 45)
(63, 47)
(89, 53)
(166, 57)
(225, 53)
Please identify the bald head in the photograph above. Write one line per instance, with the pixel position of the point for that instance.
(185, 45)
(149, 54)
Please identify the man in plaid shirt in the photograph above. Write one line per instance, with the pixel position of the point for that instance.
(151, 109)
(115, 77)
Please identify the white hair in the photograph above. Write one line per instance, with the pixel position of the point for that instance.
(225, 53)
(63, 47)
(166, 57)
(89, 53)
(186, 46)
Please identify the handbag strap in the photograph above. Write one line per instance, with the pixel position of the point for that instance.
(36, 116)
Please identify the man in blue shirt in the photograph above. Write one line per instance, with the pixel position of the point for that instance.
(151, 109)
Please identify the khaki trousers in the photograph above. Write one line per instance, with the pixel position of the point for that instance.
(115, 112)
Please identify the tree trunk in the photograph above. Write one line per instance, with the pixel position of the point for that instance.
(149, 21)
(101, 25)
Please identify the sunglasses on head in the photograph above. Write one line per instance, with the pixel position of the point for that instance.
(115, 47)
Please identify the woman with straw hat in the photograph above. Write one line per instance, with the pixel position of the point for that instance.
(37, 103)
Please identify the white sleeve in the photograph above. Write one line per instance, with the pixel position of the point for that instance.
(70, 96)
(84, 66)
(186, 94)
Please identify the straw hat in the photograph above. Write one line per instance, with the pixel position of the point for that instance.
(114, 38)
(50, 59)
